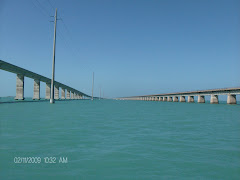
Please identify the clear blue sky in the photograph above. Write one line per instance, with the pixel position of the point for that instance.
(134, 47)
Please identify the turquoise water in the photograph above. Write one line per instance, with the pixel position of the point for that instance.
(111, 139)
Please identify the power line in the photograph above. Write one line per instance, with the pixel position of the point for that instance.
(50, 4)
(42, 7)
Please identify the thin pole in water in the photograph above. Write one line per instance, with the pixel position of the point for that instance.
(92, 85)
(53, 65)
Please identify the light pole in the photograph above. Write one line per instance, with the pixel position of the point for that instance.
(53, 65)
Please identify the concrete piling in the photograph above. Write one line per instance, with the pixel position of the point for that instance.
(68, 94)
(48, 90)
(63, 94)
(175, 99)
(214, 99)
(36, 89)
(169, 99)
(182, 99)
(20, 87)
(56, 92)
(190, 99)
(231, 99)
(201, 99)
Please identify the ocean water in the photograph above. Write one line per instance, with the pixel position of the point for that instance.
(109, 139)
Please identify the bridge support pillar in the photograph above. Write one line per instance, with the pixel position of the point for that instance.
(20, 87)
(190, 99)
(71, 95)
(56, 92)
(169, 99)
(175, 99)
(164, 98)
(201, 99)
(182, 99)
(48, 90)
(231, 99)
(160, 98)
(68, 94)
(214, 99)
(36, 89)
(63, 94)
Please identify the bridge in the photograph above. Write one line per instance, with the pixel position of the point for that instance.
(181, 96)
(75, 94)
(21, 73)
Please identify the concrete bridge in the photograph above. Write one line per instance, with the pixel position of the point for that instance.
(21, 73)
(181, 96)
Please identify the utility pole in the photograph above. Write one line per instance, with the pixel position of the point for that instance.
(92, 85)
(53, 65)
(100, 93)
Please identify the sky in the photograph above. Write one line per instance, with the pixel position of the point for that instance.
(134, 47)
